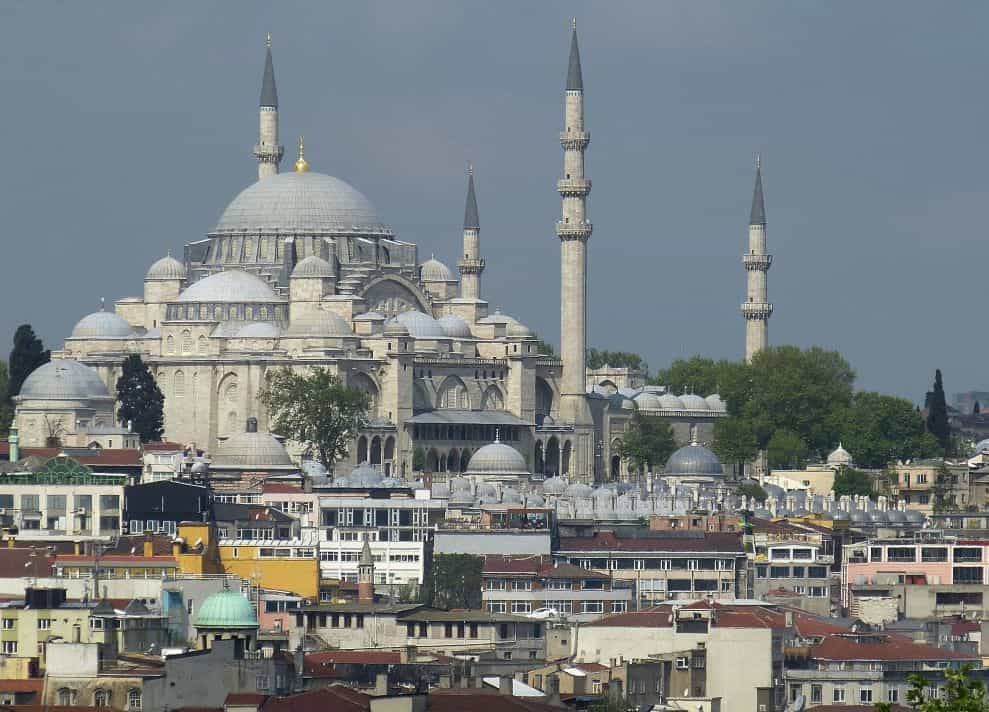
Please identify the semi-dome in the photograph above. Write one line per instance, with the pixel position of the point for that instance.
(251, 450)
(372, 316)
(435, 271)
(232, 285)
(63, 379)
(420, 325)
(313, 266)
(325, 324)
(226, 609)
(455, 326)
(302, 203)
(496, 318)
(393, 327)
(167, 268)
(693, 460)
(258, 330)
(518, 330)
(694, 402)
(497, 458)
(102, 325)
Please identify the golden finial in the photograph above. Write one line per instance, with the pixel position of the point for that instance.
(758, 161)
(267, 41)
(470, 168)
(301, 166)
(573, 23)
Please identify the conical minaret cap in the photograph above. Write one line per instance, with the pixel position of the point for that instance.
(758, 216)
(575, 80)
(269, 94)
(471, 220)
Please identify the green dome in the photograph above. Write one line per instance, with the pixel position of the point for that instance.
(226, 609)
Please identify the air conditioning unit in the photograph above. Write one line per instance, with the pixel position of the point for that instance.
(762, 708)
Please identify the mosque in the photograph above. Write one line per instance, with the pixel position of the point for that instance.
(301, 271)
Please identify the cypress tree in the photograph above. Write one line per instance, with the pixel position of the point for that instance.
(937, 413)
(976, 409)
(28, 353)
(140, 400)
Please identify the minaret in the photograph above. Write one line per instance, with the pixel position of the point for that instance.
(756, 310)
(471, 264)
(365, 575)
(574, 229)
(267, 150)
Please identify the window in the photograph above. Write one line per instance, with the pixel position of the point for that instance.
(101, 698)
(66, 697)
(44, 623)
(521, 585)
(865, 695)
(838, 694)
(816, 694)
(521, 607)
(893, 695)
(496, 606)
(619, 606)
(593, 607)
(817, 572)
(901, 553)
(779, 572)
(134, 700)
(9, 647)
(9, 623)
(967, 574)
(963, 554)
(760, 571)
(261, 682)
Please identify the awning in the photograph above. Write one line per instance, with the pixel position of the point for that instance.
(467, 417)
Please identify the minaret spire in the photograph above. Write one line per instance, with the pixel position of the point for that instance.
(471, 264)
(756, 309)
(574, 230)
(267, 151)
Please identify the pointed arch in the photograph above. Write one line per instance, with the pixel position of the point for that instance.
(420, 398)
(566, 457)
(544, 400)
(492, 399)
(362, 449)
(178, 384)
(453, 460)
(364, 382)
(432, 461)
(376, 450)
(553, 456)
(202, 344)
(540, 460)
(453, 394)
(464, 460)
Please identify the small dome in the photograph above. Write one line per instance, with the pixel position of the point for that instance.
(981, 445)
(226, 609)
(455, 326)
(714, 402)
(497, 458)
(648, 401)
(63, 379)
(534, 500)
(554, 485)
(258, 330)
(229, 286)
(167, 268)
(496, 318)
(102, 325)
(326, 324)
(435, 271)
(692, 460)
(518, 330)
(394, 327)
(840, 456)
(578, 489)
(251, 449)
(364, 475)
(421, 326)
(671, 402)
(510, 495)
(370, 316)
(694, 402)
(313, 267)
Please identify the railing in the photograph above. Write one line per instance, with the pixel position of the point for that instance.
(573, 186)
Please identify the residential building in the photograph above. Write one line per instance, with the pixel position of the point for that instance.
(158, 507)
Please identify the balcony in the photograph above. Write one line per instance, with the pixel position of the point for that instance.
(793, 675)
(573, 186)
(756, 310)
(757, 262)
(574, 139)
(574, 230)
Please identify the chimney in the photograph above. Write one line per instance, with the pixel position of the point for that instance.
(76, 634)
(149, 548)
(11, 540)
(444, 682)
(77, 548)
(407, 655)
(176, 547)
(505, 685)
(381, 684)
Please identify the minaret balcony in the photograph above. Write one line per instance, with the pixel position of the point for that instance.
(468, 265)
(575, 140)
(757, 263)
(756, 310)
(574, 231)
(269, 154)
(573, 186)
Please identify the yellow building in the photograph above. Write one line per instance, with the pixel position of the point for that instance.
(284, 565)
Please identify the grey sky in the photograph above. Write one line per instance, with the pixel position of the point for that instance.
(128, 127)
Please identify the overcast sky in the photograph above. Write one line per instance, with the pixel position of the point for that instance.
(127, 127)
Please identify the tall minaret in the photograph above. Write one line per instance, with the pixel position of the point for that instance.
(267, 150)
(574, 229)
(756, 308)
(471, 264)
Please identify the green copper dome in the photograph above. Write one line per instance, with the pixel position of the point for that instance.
(226, 609)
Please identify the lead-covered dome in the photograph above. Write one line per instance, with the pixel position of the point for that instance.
(302, 203)
(455, 326)
(435, 271)
(694, 402)
(327, 323)
(167, 268)
(497, 458)
(313, 266)
(102, 325)
(251, 449)
(63, 380)
(421, 325)
(226, 609)
(694, 460)
(232, 285)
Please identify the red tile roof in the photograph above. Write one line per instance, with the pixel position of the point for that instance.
(163, 445)
(245, 698)
(656, 541)
(452, 700)
(280, 488)
(108, 457)
(881, 647)
(965, 627)
(20, 562)
(336, 698)
(536, 566)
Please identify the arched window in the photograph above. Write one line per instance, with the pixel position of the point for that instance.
(186, 341)
(134, 699)
(363, 382)
(101, 698)
(66, 696)
(170, 344)
(453, 394)
(179, 384)
(492, 399)
(202, 344)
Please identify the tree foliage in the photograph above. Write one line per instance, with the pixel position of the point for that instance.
(546, 349)
(648, 442)
(140, 400)
(852, 482)
(697, 374)
(961, 692)
(6, 412)
(937, 413)
(598, 358)
(453, 581)
(28, 353)
(786, 450)
(878, 429)
(752, 490)
(315, 410)
(734, 441)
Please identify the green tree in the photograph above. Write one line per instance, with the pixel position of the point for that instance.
(454, 581)
(28, 353)
(786, 449)
(6, 412)
(546, 349)
(697, 374)
(418, 459)
(315, 410)
(878, 429)
(735, 442)
(961, 692)
(648, 442)
(976, 409)
(851, 482)
(752, 490)
(597, 358)
(140, 400)
(937, 413)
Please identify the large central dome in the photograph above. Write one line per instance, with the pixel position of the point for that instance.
(302, 203)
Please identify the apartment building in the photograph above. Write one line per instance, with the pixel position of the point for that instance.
(520, 585)
(796, 567)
